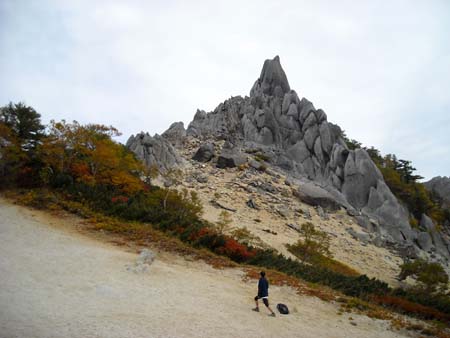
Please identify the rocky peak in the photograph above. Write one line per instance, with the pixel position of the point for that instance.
(272, 81)
(296, 138)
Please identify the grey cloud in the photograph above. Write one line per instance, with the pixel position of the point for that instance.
(379, 69)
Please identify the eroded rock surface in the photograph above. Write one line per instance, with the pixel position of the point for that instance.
(441, 187)
(155, 151)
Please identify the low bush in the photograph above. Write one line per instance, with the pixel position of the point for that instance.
(431, 277)
(407, 307)
(438, 301)
(350, 285)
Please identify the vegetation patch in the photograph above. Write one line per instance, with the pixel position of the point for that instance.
(314, 249)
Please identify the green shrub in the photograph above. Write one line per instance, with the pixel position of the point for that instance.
(315, 243)
(430, 276)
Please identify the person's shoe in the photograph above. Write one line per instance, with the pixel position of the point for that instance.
(256, 309)
(272, 314)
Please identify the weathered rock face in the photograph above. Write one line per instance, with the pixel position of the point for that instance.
(297, 138)
(390, 214)
(441, 187)
(154, 151)
(440, 241)
(272, 81)
(205, 153)
(176, 134)
(424, 241)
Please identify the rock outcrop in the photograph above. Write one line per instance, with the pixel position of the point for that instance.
(297, 138)
(230, 158)
(440, 186)
(290, 134)
(205, 153)
(175, 134)
(154, 151)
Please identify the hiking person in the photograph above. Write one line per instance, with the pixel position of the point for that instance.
(263, 293)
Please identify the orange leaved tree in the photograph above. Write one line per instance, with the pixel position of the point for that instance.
(87, 154)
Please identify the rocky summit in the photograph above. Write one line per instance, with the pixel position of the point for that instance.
(286, 133)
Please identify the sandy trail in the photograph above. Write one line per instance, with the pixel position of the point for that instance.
(58, 283)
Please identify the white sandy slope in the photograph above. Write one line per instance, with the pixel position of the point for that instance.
(55, 282)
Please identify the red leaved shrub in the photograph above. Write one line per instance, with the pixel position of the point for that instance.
(119, 199)
(408, 307)
(235, 250)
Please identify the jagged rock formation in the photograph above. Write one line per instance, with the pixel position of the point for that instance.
(439, 242)
(154, 151)
(441, 187)
(295, 137)
(175, 134)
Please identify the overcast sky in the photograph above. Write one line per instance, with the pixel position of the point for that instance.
(379, 69)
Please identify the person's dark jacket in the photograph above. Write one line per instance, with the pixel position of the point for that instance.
(263, 287)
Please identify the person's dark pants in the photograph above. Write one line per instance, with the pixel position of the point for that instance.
(264, 299)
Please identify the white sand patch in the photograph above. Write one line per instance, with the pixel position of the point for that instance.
(57, 283)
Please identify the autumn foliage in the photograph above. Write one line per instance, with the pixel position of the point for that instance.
(408, 307)
(88, 155)
(235, 250)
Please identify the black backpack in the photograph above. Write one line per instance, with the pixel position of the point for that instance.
(283, 309)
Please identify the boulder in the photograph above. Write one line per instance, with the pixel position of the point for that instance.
(143, 262)
(255, 164)
(204, 153)
(305, 108)
(200, 177)
(440, 186)
(266, 186)
(313, 194)
(299, 152)
(251, 204)
(284, 211)
(231, 158)
(322, 213)
(310, 121)
(366, 223)
(360, 236)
